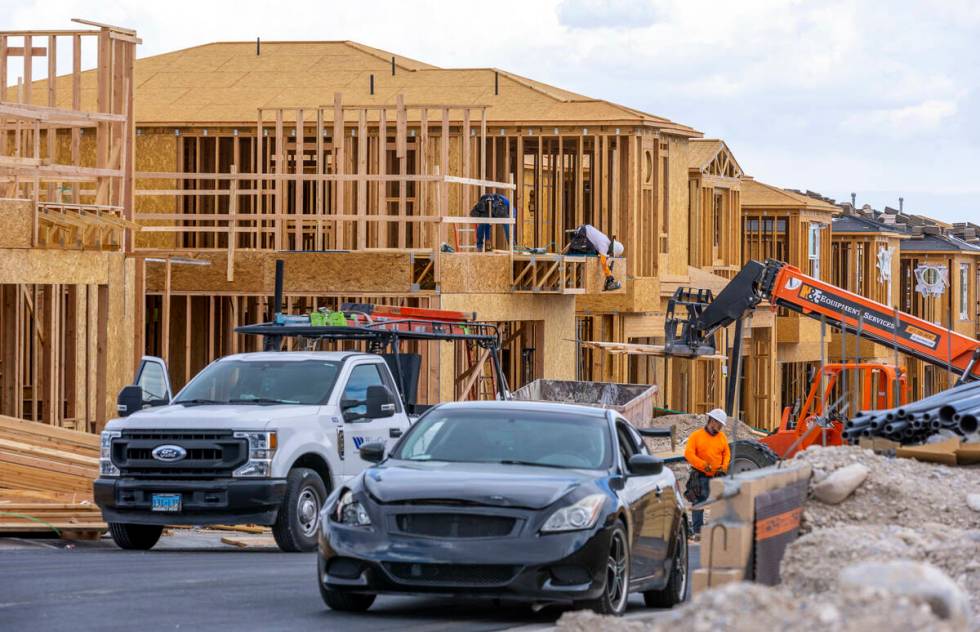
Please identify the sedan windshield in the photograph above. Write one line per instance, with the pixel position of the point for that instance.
(517, 437)
(261, 382)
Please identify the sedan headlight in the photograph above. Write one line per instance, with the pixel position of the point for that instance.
(351, 512)
(106, 466)
(582, 515)
(261, 448)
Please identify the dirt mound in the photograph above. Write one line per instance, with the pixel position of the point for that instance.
(813, 562)
(748, 607)
(901, 492)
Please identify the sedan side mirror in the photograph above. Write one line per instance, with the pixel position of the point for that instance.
(645, 465)
(380, 402)
(372, 452)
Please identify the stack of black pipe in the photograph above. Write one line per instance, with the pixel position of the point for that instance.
(956, 409)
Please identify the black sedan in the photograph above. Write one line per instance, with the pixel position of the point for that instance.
(513, 500)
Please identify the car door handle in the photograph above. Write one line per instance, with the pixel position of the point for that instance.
(394, 433)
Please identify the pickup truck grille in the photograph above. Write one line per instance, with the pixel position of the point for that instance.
(209, 454)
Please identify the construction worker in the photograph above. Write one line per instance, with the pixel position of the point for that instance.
(589, 240)
(491, 205)
(708, 454)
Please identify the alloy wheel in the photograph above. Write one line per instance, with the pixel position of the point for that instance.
(617, 578)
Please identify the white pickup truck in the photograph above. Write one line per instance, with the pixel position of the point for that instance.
(258, 438)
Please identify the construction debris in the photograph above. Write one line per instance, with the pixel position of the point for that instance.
(901, 492)
(812, 563)
(745, 607)
(46, 476)
(840, 484)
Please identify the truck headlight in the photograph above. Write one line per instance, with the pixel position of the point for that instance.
(106, 466)
(261, 448)
(576, 517)
(350, 512)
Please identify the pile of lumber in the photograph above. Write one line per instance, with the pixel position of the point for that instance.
(46, 476)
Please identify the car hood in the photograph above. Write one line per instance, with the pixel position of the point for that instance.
(478, 483)
(206, 417)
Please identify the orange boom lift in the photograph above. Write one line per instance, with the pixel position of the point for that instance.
(692, 333)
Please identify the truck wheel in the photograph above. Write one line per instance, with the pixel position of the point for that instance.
(299, 514)
(135, 537)
(346, 601)
(748, 454)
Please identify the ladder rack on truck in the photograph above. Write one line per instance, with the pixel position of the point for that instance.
(383, 327)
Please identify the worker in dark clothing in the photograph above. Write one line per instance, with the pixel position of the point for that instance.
(709, 455)
(490, 205)
(589, 240)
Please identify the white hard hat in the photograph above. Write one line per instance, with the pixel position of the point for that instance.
(617, 248)
(718, 415)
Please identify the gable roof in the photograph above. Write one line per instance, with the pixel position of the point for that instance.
(703, 151)
(224, 83)
(858, 224)
(938, 243)
(757, 194)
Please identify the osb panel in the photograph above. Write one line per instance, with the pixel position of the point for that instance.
(304, 273)
(557, 311)
(798, 352)
(345, 271)
(595, 280)
(120, 323)
(253, 273)
(55, 266)
(17, 219)
(156, 152)
(679, 194)
(474, 272)
(640, 295)
(643, 326)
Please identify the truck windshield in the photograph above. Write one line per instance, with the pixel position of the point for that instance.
(509, 438)
(262, 382)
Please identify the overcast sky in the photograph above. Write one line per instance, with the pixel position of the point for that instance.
(875, 97)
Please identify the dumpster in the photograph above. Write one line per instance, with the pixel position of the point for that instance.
(633, 401)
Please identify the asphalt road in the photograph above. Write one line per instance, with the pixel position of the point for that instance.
(202, 585)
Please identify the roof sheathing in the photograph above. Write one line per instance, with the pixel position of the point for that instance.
(224, 84)
(757, 194)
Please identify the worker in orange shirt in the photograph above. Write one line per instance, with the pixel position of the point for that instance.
(709, 455)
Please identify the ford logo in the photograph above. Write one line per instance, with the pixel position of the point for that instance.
(168, 453)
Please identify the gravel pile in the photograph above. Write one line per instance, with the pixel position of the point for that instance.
(902, 492)
(746, 607)
(812, 563)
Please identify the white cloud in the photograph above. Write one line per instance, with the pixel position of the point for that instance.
(591, 14)
(902, 121)
(835, 95)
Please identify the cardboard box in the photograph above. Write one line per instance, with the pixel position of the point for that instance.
(943, 452)
(879, 445)
(704, 578)
(727, 544)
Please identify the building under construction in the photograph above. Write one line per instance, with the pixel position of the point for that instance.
(147, 200)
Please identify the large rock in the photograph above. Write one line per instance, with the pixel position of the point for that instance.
(840, 484)
(916, 580)
(973, 502)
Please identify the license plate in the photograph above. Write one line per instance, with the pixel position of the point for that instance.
(166, 502)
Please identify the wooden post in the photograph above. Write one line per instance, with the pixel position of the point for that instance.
(298, 171)
(362, 170)
(338, 167)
